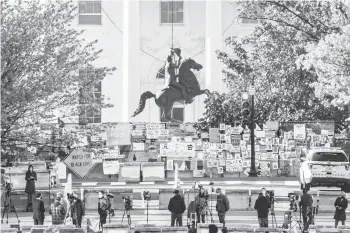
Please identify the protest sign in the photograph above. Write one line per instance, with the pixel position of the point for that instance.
(119, 135)
(110, 167)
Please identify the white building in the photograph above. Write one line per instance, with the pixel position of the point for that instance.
(136, 36)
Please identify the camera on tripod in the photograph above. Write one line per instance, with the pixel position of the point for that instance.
(8, 188)
(293, 198)
(146, 195)
(128, 202)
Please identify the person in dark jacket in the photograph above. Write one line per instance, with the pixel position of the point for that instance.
(177, 207)
(262, 205)
(306, 202)
(77, 211)
(38, 210)
(222, 205)
(102, 207)
(30, 186)
(201, 205)
(341, 203)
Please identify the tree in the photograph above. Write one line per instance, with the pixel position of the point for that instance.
(41, 59)
(284, 90)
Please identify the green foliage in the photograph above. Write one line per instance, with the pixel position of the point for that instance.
(271, 58)
(41, 55)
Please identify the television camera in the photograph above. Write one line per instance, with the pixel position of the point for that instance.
(128, 202)
(8, 188)
(146, 195)
(293, 199)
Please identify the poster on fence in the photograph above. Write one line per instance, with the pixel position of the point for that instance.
(299, 131)
(110, 167)
(265, 169)
(170, 165)
(119, 135)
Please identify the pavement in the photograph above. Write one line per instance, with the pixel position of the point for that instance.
(162, 218)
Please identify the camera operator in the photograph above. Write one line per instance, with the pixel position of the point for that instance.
(341, 203)
(177, 207)
(30, 185)
(102, 207)
(262, 205)
(305, 203)
(222, 205)
(201, 208)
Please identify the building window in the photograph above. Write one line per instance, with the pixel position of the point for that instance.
(91, 97)
(161, 73)
(251, 21)
(177, 113)
(171, 12)
(90, 13)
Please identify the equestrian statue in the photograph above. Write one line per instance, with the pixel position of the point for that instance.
(185, 89)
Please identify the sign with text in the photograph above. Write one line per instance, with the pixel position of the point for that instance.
(299, 131)
(110, 167)
(119, 135)
(80, 161)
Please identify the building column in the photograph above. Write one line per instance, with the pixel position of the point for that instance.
(131, 58)
(213, 42)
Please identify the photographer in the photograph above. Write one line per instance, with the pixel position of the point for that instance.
(222, 205)
(305, 203)
(341, 203)
(262, 205)
(102, 207)
(30, 186)
(177, 207)
(201, 208)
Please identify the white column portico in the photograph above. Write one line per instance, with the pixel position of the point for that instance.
(131, 58)
(213, 42)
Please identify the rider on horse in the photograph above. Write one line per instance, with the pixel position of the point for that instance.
(173, 63)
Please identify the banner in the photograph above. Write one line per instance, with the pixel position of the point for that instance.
(119, 135)
(110, 167)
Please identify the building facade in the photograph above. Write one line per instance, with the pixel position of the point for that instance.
(136, 37)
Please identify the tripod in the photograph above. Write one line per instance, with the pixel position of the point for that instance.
(292, 217)
(8, 206)
(147, 200)
(128, 215)
(210, 210)
(273, 216)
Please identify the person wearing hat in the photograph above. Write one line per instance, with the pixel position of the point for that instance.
(177, 207)
(38, 210)
(222, 205)
(341, 204)
(173, 63)
(57, 212)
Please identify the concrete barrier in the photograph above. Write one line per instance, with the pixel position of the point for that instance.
(204, 227)
(174, 230)
(153, 171)
(268, 229)
(238, 198)
(71, 230)
(130, 172)
(91, 198)
(115, 228)
(241, 229)
(8, 230)
(147, 228)
(48, 229)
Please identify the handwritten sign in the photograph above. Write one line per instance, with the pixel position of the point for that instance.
(119, 135)
(299, 131)
(80, 161)
(110, 167)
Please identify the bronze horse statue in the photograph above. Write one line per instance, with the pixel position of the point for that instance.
(166, 98)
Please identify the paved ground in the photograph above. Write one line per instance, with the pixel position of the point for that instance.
(162, 218)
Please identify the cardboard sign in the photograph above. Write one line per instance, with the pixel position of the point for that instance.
(80, 161)
(111, 167)
(119, 135)
(138, 146)
(272, 125)
(214, 135)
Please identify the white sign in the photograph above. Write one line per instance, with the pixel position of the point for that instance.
(110, 167)
(112, 154)
(61, 170)
(138, 146)
(299, 131)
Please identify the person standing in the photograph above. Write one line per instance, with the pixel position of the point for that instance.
(177, 207)
(57, 212)
(102, 208)
(63, 201)
(262, 205)
(306, 202)
(201, 205)
(30, 185)
(78, 211)
(38, 210)
(341, 203)
(222, 205)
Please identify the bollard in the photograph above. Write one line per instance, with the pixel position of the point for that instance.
(250, 200)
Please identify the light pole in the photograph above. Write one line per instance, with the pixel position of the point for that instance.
(253, 172)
